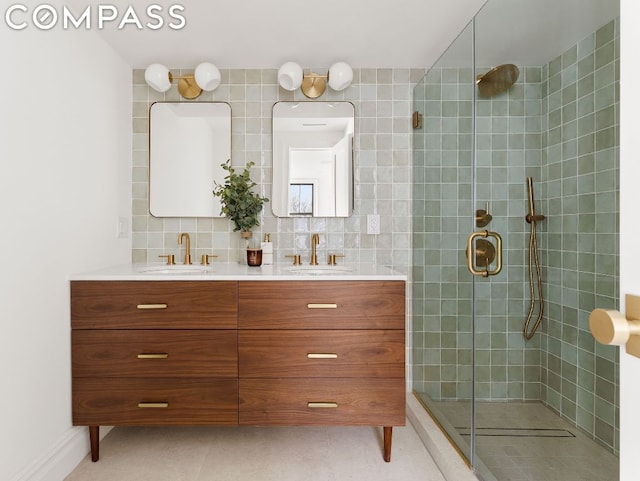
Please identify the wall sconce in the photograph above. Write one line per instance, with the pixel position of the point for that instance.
(205, 77)
(339, 77)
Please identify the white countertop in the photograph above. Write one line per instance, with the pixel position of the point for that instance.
(240, 272)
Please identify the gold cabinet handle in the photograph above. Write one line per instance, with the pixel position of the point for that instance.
(153, 405)
(322, 306)
(151, 306)
(153, 355)
(322, 355)
(323, 405)
(471, 256)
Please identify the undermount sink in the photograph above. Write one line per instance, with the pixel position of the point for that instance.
(175, 269)
(317, 270)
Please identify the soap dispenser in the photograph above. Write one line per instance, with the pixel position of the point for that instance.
(267, 250)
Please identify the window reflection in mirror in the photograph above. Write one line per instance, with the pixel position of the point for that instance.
(301, 199)
(313, 159)
(188, 142)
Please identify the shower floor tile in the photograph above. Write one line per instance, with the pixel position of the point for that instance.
(529, 442)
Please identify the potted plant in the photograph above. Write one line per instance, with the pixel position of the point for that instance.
(239, 203)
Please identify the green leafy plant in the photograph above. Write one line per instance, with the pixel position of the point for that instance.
(239, 203)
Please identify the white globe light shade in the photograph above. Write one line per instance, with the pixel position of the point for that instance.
(157, 76)
(340, 76)
(207, 76)
(290, 76)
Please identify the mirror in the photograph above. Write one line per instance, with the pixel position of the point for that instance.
(313, 159)
(187, 144)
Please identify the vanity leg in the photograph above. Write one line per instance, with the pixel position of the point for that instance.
(94, 439)
(388, 431)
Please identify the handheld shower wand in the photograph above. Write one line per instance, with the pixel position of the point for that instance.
(532, 218)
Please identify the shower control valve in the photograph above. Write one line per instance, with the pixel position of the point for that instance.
(483, 217)
(480, 250)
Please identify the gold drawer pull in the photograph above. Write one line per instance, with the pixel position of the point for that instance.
(151, 306)
(322, 355)
(153, 405)
(322, 405)
(322, 306)
(154, 355)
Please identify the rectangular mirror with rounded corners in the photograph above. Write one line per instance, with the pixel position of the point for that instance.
(313, 159)
(188, 142)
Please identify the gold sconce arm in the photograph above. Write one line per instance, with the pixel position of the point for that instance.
(313, 85)
(187, 86)
(206, 76)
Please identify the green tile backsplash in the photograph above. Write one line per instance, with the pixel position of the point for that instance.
(558, 124)
(382, 157)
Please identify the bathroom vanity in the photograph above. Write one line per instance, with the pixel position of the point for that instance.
(235, 345)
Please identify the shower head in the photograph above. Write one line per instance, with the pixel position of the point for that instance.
(497, 80)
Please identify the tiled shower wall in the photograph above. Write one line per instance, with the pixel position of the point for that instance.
(508, 150)
(580, 198)
(508, 144)
(382, 99)
(558, 124)
(442, 202)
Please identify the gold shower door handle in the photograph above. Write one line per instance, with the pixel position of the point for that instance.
(472, 251)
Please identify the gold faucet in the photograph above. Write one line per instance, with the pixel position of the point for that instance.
(187, 251)
(315, 240)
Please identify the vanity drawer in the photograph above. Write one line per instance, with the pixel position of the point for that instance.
(153, 304)
(154, 401)
(154, 353)
(373, 402)
(321, 305)
(322, 353)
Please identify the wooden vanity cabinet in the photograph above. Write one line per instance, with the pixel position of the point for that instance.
(153, 353)
(322, 353)
(238, 352)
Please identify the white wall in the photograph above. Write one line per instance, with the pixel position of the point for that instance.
(629, 229)
(65, 170)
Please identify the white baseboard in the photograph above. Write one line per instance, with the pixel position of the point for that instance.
(62, 458)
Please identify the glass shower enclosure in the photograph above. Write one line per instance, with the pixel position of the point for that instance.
(517, 408)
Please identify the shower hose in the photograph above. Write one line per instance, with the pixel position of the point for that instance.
(528, 331)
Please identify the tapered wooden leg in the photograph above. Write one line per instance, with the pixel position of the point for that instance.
(388, 431)
(94, 439)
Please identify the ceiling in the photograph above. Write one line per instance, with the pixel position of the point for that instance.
(533, 32)
(364, 33)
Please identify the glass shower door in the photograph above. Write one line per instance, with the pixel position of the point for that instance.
(540, 405)
(443, 219)
(536, 395)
